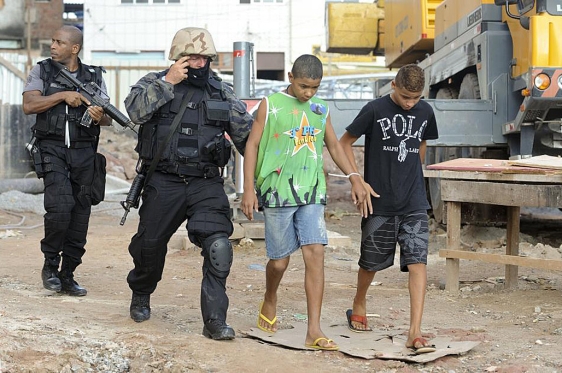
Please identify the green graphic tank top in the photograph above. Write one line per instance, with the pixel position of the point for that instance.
(289, 168)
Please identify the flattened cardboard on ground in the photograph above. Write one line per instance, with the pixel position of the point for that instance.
(387, 345)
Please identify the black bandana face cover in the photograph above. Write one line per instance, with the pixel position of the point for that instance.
(199, 77)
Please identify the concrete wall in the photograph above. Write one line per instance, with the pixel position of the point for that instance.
(47, 19)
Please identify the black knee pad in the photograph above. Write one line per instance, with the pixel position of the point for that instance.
(219, 254)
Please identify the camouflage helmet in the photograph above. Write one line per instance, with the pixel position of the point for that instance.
(192, 40)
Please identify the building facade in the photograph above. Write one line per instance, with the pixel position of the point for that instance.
(141, 30)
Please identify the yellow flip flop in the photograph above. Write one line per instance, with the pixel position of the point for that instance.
(268, 321)
(316, 346)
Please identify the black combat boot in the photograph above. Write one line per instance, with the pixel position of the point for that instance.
(68, 285)
(218, 330)
(140, 307)
(50, 276)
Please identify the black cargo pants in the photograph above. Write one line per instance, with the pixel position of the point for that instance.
(167, 201)
(69, 174)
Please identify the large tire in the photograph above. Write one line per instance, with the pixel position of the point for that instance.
(470, 89)
(447, 93)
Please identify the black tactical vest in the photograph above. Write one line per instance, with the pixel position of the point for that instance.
(51, 123)
(198, 146)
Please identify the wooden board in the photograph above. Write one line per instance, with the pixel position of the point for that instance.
(546, 177)
(503, 194)
(483, 165)
(541, 161)
(548, 264)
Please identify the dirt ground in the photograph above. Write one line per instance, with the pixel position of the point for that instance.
(41, 331)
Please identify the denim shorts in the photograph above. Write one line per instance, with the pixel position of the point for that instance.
(288, 228)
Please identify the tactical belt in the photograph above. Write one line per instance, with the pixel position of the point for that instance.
(73, 144)
(194, 170)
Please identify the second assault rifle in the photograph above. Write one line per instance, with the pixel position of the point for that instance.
(133, 197)
(95, 95)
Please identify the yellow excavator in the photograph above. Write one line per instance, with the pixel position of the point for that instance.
(493, 68)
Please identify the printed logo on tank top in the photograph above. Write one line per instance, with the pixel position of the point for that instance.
(401, 127)
(303, 136)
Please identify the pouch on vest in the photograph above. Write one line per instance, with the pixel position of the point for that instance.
(98, 183)
(216, 112)
(219, 149)
(53, 125)
(146, 135)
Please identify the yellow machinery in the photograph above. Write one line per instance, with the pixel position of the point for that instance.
(493, 67)
(355, 28)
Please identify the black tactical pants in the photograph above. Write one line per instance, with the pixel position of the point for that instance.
(67, 201)
(167, 202)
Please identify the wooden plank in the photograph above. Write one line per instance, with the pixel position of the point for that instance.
(13, 69)
(549, 177)
(512, 245)
(452, 269)
(453, 225)
(503, 194)
(482, 165)
(541, 161)
(453, 243)
(548, 264)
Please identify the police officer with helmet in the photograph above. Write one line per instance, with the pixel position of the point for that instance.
(184, 113)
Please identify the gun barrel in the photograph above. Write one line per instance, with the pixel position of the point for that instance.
(122, 222)
(118, 116)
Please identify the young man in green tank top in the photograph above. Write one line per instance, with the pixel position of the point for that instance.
(284, 175)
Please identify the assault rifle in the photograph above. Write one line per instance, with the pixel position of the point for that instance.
(96, 96)
(133, 196)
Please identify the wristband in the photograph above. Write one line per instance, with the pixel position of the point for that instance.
(346, 176)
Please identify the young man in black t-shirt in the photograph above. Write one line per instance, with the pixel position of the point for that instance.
(396, 128)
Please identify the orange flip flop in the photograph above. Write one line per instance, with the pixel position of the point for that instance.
(360, 319)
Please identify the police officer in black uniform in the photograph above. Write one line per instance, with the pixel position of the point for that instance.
(187, 182)
(67, 150)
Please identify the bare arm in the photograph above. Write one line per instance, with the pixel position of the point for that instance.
(423, 148)
(249, 202)
(347, 140)
(358, 192)
(34, 102)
